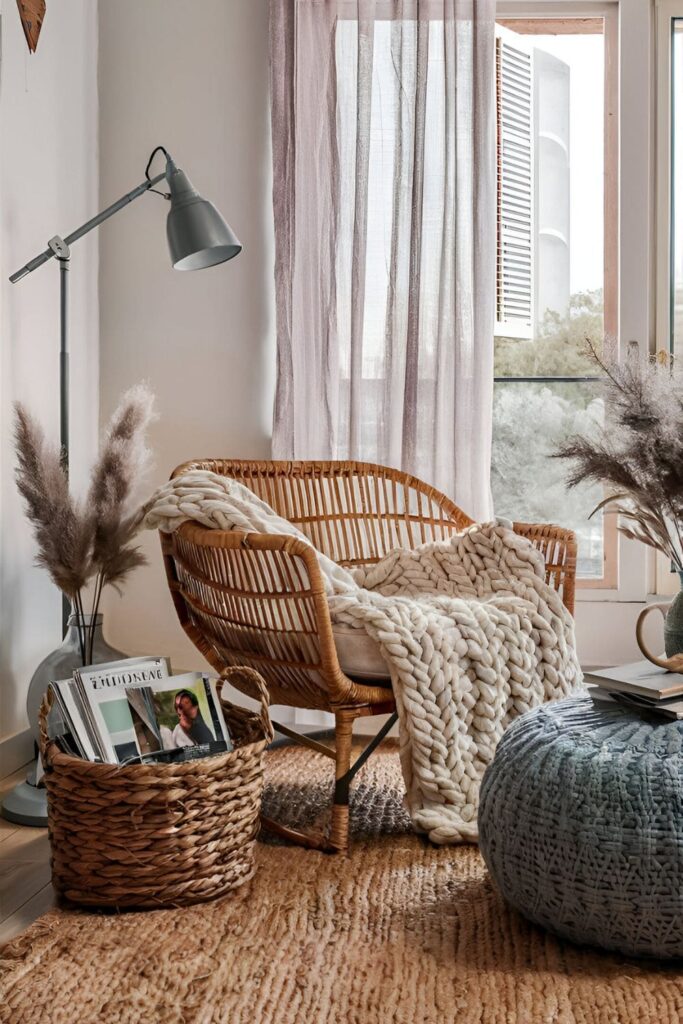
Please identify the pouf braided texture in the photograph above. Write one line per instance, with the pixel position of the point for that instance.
(581, 825)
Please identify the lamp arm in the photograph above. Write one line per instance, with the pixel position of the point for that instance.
(43, 257)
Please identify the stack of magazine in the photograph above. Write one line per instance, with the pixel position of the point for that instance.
(641, 685)
(134, 711)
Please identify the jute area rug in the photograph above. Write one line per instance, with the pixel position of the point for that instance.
(398, 932)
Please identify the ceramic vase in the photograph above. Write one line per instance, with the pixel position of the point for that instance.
(673, 624)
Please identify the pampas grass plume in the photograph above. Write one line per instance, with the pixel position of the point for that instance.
(81, 541)
(638, 453)
(63, 529)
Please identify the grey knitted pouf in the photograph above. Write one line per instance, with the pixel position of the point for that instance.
(581, 825)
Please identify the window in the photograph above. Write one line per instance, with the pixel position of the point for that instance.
(556, 268)
(670, 177)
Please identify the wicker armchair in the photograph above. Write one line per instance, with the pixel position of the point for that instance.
(259, 600)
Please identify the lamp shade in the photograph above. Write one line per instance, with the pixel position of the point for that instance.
(198, 237)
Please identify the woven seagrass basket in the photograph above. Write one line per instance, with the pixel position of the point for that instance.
(157, 835)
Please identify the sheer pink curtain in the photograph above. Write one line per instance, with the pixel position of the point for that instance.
(383, 120)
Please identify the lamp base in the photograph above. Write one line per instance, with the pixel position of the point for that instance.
(26, 804)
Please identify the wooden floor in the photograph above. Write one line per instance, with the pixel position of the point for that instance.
(25, 888)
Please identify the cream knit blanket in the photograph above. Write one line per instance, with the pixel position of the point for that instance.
(472, 633)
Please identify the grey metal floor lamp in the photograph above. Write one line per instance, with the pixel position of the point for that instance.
(198, 237)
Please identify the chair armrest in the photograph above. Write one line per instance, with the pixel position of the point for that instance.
(558, 547)
(228, 586)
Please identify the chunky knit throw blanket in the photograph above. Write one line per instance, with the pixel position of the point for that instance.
(472, 634)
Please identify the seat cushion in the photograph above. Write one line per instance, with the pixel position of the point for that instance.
(359, 655)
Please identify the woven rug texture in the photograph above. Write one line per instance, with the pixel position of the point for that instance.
(400, 932)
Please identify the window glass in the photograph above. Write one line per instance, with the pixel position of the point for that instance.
(529, 419)
(550, 271)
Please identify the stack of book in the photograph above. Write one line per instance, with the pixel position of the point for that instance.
(134, 710)
(641, 685)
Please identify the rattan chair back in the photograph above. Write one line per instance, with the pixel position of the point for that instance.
(355, 512)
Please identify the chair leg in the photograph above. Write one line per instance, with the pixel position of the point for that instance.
(339, 823)
(337, 838)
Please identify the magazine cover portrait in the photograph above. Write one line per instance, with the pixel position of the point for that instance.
(184, 716)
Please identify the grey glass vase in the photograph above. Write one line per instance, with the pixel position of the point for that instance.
(61, 662)
(673, 624)
(26, 804)
(673, 631)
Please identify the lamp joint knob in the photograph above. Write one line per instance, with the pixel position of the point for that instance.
(59, 248)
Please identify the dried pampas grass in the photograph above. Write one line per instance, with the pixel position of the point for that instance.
(62, 528)
(638, 454)
(123, 462)
(93, 540)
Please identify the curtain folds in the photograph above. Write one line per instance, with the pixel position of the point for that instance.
(383, 122)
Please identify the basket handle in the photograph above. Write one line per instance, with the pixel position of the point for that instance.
(256, 682)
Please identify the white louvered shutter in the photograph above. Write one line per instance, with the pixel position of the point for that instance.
(514, 264)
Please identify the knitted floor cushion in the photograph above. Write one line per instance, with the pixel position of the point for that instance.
(581, 825)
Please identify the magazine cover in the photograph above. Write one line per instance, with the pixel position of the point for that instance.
(214, 686)
(67, 724)
(188, 713)
(104, 689)
(66, 692)
(145, 726)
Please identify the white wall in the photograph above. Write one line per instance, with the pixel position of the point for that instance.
(48, 185)
(193, 77)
